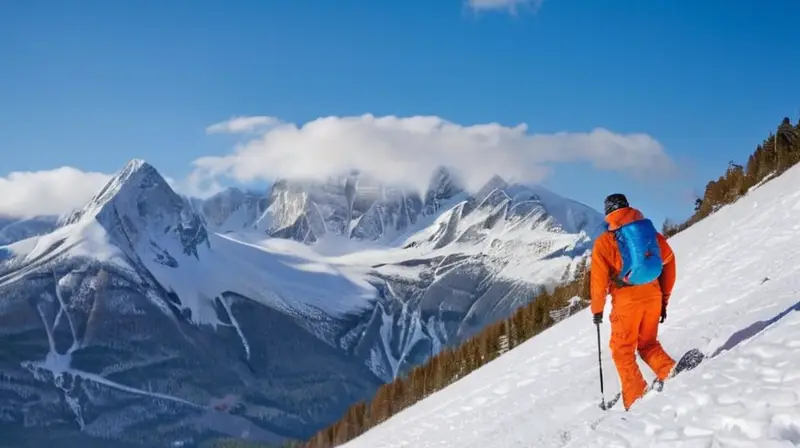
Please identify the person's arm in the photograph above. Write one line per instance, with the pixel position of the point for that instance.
(669, 272)
(599, 275)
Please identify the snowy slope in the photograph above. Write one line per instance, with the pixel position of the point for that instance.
(737, 298)
(231, 209)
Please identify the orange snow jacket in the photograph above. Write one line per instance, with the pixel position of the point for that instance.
(607, 263)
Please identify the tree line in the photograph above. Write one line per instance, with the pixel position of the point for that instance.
(454, 363)
(446, 367)
(776, 154)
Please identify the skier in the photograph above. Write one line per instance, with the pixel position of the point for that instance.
(639, 296)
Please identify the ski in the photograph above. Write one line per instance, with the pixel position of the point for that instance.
(691, 359)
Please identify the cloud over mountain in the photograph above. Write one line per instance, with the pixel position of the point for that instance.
(403, 151)
(406, 150)
(47, 192)
(25, 194)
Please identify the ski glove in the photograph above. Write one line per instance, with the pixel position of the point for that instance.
(598, 318)
(663, 311)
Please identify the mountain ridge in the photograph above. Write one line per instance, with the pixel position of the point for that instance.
(370, 211)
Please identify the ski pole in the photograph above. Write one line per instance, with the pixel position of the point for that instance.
(600, 364)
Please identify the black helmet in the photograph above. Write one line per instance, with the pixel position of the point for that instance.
(615, 201)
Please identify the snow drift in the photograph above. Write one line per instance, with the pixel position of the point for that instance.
(737, 299)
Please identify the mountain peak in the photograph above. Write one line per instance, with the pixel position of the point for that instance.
(136, 178)
(137, 206)
(136, 168)
(495, 183)
(135, 164)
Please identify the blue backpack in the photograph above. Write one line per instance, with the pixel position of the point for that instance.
(641, 254)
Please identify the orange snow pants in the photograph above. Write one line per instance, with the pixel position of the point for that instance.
(634, 326)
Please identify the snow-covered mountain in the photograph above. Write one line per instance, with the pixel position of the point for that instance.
(359, 207)
(131, 322)
(444, 264)
(147, 318)
(14, 229)
(736, 299)
(231, 210)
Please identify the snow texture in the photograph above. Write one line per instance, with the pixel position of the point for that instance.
(737, 299)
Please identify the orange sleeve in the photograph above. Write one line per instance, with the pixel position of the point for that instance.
(600, 276)
(669, 273)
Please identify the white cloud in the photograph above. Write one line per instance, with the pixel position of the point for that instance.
(240, 125)
(49, 192)
(501, 5)
(407, 150)
(197, 185)
(397, 150)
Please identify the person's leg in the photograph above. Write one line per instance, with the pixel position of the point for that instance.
(649, 348)
(625, 323)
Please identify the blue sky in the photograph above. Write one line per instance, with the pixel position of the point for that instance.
(92, 84)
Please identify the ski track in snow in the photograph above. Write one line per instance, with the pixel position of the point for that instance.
(737, 297)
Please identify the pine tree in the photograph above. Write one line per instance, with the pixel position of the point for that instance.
(786, 138)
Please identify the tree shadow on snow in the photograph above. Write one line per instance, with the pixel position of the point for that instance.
(753, 329)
